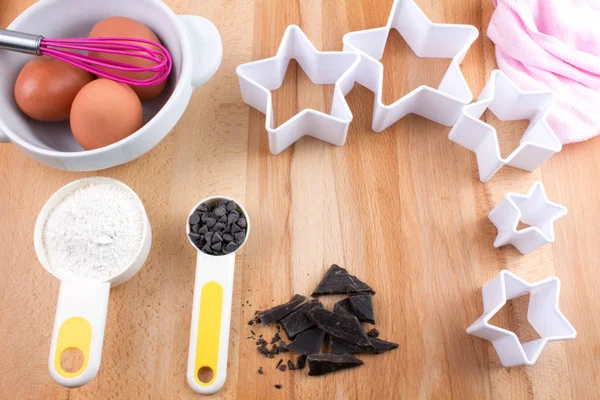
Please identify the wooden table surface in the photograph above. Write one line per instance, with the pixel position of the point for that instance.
(403, 210)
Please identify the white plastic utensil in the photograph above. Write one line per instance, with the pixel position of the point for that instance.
(82, 304)
(211, 313)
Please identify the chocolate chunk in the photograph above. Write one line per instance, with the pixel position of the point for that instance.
(219, 227)
(278, 312)
(242, 222)
(220, 211)
(339, 326)
(298, 321)
(320, 364)
(260, 371)
(277, 386)
(283, 347)
(279, 363)
(344, 308)
(282, 368)
(308, 342)
(291, 365)
(240, 237)
(276, 338)
(230, 206)
(362, 304)
(381, 346)
(373, 333)
(217, 238)
(228, 237)
(203, 230)
(338, 281)
(194, 219)
(301, 362)
(235, 229)
(231, 247)
(202, 208)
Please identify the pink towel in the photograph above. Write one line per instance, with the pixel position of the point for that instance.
(554, 44)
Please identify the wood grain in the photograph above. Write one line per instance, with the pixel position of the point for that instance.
(403, 210)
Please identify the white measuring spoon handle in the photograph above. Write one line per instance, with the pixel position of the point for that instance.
(211, 317)
(79, 324)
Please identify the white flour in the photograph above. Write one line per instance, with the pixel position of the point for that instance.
(94, 233)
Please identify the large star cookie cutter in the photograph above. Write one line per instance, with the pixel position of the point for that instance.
(258, 78)
(533, 209)
(508, 103)
(543, 314)
(426, 39)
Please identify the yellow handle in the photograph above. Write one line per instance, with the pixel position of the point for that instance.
(74, 333)
(209, 330)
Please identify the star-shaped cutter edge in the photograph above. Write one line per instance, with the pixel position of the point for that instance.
(509, 103)
(533, 209)
(258, 78)
(542, 313)
(426, 39)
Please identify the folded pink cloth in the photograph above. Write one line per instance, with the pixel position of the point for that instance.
(554, 44)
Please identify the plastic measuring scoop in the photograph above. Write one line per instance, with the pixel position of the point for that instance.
(211, 313)
(82, 304)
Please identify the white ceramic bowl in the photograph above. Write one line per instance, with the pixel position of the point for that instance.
(194, 43)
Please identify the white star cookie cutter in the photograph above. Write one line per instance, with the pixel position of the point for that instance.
(508, 103)
(258, 78)
(426, 39)
(533, 209)
(543, 314)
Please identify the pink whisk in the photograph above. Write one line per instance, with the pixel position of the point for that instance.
(74, 52)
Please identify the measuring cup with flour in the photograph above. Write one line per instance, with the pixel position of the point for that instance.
(213, 289)
(91, 234)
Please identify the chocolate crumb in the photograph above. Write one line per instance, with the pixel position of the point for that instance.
(279, 363)
(277, 386)
(301, 362)
(260, 371)
(291, 365)
(373, 333)
(276, 338)
(282, 368)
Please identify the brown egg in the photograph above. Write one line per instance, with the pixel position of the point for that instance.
(127, 27)
(105, 112)
(45, 88)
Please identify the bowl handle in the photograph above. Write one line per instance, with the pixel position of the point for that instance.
(207, 48)
(211, 317)
(79, 324)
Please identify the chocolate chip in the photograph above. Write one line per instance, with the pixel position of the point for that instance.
(209, 216)
(235, 229)
(228, 237)
(278, 312)
(202, 207)
(227, 229)
(219, 227)
(230, 206)
(232, 218)
(222, 203)
(208, 237)
(195, 228)
(217, 238)
(231, 247)
(223, 219)
(242, 222)
(203, 229)
(217, 246)
(240, 237)
(320, 364)
(194, 236)
(220, 211)
(338, 281)
(210, 222)
(194, 219)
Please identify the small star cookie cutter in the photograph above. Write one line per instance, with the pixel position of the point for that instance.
(508, 103)
(543, 314)
(258, 78)
(533, 209)
(426, 39)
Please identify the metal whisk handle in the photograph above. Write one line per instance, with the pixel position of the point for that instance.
(21, 42)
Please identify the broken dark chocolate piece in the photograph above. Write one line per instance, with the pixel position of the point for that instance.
(362, 304)
(308, 342)
(339, 326)
(281, 311)
(298, 321)
(301, 362)
(344, 308)
(338, 281)
(341, 347)
(381, 346)
(373, 333)
(282, 367)
(320, 364)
